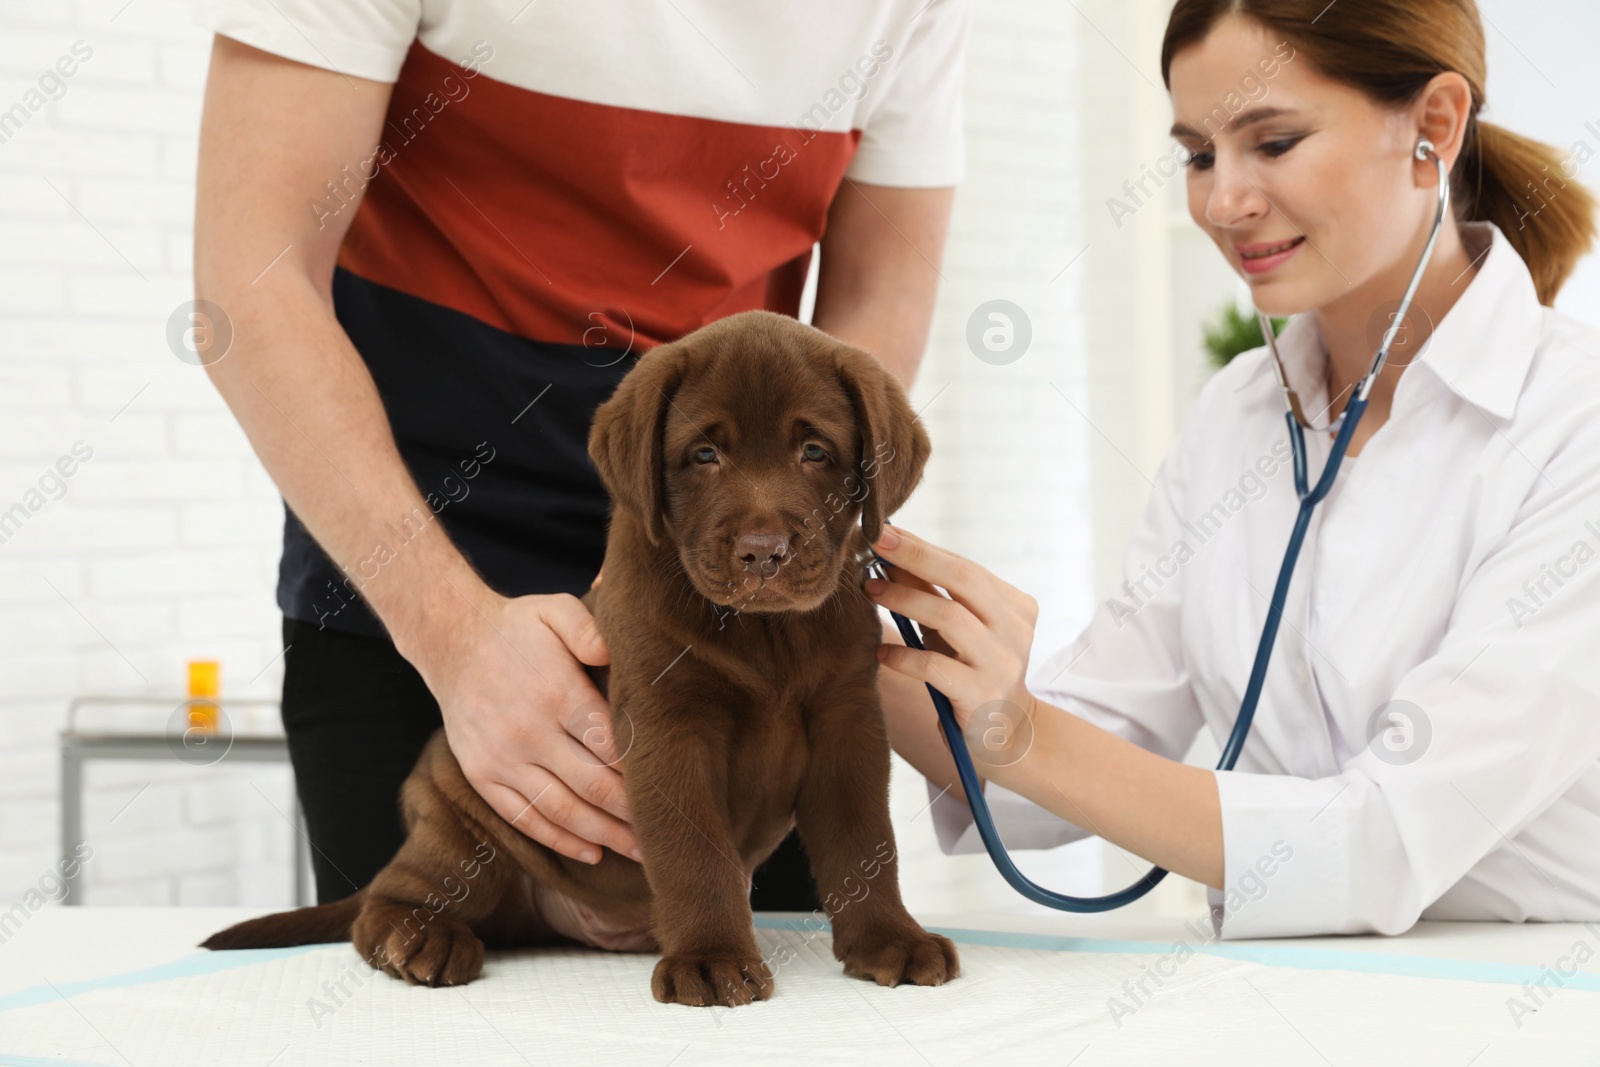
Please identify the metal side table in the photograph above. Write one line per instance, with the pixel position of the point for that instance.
(78, 747)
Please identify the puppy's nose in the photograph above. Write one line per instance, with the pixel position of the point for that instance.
(762, 553)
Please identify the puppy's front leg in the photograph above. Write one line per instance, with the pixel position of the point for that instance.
(843, 818)
(701, 899)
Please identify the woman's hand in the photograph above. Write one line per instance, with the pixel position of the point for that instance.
(977, 642)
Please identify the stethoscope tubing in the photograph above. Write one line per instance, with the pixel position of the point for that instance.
(1309, 498)
(1241, 728)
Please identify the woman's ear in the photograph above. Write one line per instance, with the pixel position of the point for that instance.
(625, 438)
(894, 445)
(1443, 111)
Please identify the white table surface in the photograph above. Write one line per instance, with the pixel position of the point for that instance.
(103, 986)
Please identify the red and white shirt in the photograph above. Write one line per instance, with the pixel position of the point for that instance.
(549, 163)
(560, 187)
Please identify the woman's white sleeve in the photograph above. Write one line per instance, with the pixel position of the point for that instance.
(1125, 672)
(1504, 718)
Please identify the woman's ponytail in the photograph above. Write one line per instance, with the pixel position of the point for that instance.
(1522, 186)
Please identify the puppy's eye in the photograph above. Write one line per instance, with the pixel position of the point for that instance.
(705, 455)
(815, 453)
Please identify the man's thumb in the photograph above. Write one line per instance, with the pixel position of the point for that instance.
(577, 629)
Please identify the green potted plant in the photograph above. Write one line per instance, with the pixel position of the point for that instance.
(1234, 332)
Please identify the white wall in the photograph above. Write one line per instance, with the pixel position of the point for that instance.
(163, 547)
(1545, 84)
(1008, 484)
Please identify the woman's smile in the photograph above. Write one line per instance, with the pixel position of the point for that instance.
(1260, 258)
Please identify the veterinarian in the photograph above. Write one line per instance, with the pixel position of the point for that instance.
(442, 230)
(1427, 743)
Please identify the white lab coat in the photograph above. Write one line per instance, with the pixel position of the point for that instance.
(1455, 567)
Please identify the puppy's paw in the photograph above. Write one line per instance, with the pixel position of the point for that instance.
(707, 979)
(414, 944)
(892, 955)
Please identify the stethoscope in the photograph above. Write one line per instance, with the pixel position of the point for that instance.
(1345, 424)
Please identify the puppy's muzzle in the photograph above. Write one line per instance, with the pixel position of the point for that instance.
(761, 554)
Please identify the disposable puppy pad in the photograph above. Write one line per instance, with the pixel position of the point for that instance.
(1020, 998)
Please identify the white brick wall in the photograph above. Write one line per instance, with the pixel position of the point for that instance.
(1009, 479)
(1008, 485)
(165, 545)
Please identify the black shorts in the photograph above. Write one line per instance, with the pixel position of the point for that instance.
(357, 715)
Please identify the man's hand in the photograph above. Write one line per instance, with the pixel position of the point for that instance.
(515, 700)
(532, 734)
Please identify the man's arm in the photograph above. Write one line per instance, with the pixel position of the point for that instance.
(273, 133)
(879, 273)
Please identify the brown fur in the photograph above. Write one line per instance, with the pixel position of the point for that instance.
(743, 691)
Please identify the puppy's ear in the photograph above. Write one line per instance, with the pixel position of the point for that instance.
(625, 438)
(894, 445)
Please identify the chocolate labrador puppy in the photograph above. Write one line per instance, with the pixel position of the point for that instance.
(742, 689)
